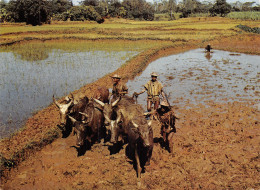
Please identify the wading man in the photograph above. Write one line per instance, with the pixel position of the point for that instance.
(153, 88)
(119, 89)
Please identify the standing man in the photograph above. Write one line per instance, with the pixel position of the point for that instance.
(154, 88)
(119, 89)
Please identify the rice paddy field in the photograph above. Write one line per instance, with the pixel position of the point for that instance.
(217, 98)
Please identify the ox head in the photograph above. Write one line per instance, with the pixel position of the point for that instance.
(64, 109)
(144, 130)
(107, 110)
(116, 126)
(80, 129)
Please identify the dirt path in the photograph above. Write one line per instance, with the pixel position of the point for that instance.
(212, 150)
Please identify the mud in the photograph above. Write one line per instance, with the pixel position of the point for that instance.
(216, 147)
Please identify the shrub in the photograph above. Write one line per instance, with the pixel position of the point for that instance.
(249, 29)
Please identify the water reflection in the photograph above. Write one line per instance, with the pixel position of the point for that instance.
(27, 86)
(208, 55)
(191, 77)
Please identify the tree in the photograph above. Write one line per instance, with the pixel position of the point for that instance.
(33, 12)
(220, 7)
(138, 9)
(90, 3)
(188, 7)
(237, 6)
(247, 6)
(81, 13)
(60, 6)
(172, 8)
(2, 4)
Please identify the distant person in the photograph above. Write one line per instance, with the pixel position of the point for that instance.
(153, 88)
(208, 48)
(119, 89)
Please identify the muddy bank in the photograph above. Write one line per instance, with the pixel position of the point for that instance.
(167, 170)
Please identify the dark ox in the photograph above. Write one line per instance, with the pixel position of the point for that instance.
(125, 113)
(76, 104)
(140, 137)
(110, 110)
(102, 94)
(91, 126)
(72, 107)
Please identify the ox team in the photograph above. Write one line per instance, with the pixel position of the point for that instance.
(121, 116)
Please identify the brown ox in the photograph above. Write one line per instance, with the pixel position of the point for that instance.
(71, 107)
(126, 118)
(102, 94)
(75, 104)
(140, 137)
(109, 110)
(91, 126)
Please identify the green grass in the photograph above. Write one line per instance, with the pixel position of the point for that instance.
(244, 15)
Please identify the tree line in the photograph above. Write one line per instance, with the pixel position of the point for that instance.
(36, 12)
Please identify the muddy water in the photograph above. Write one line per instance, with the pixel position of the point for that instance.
(197, 77)
(27, 86)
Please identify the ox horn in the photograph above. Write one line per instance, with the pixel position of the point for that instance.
(55, 102)
(150, 113)
(99, 102)
(72, 119)
(71, 101)
(150, 123)
(119, 118)
(147, 113)
(135, 125)
(86, 115)
(115, 102)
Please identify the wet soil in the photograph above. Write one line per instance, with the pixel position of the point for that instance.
(216, 147)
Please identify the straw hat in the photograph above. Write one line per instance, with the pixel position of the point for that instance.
(164, 103)
(154, 74)
(116, 76)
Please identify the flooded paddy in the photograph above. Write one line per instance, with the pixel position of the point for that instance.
(28, 80)
(196, 77)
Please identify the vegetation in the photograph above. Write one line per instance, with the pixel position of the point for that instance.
(220, 7)
(249, 29)
(253, 15)
(37, 12)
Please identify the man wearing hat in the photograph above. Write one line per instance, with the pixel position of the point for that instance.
(153, 88)
(119, 89)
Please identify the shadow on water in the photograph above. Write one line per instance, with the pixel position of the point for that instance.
(208, 55)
